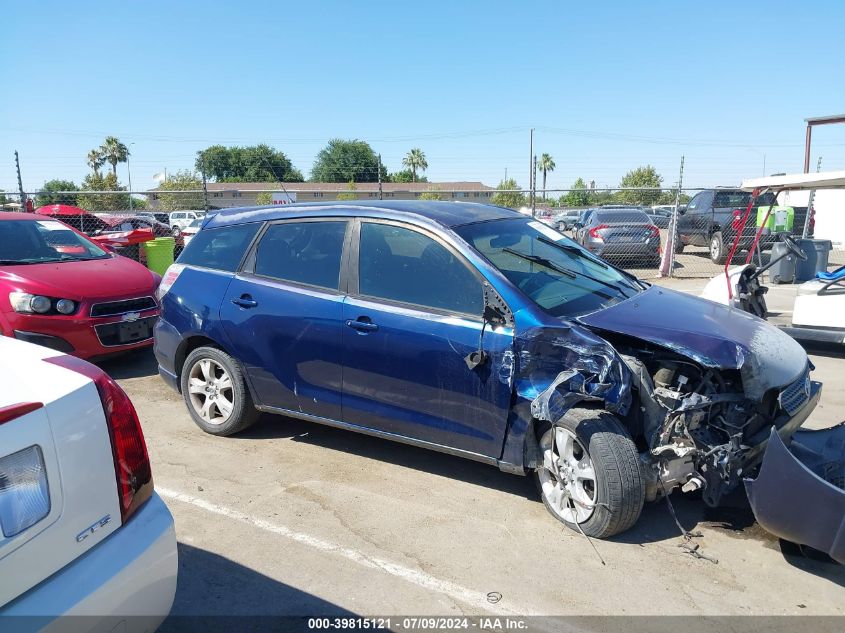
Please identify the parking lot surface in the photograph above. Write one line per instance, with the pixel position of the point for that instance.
(293, 518)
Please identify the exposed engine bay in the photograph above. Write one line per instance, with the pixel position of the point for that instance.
(696, 422)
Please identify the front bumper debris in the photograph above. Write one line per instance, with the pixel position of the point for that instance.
(799, 493)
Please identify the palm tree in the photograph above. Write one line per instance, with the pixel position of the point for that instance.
(114, 152)
(414, 160)
(545, 164)
(95, 161)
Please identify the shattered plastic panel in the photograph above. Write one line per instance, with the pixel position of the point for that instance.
(798, 494)
(593, 371)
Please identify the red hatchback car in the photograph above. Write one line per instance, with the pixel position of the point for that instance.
(61, 290)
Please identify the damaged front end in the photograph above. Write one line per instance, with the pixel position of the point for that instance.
(699, 421)
(702, 429)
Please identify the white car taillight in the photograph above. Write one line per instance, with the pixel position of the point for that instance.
(24, 495)
(169, 278)
(131, 462)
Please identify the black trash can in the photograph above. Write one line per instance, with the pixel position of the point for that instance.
(783, 272)
(817, 252)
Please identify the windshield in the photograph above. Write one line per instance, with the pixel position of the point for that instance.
(42, 241)
(556, 273)
(196, 223)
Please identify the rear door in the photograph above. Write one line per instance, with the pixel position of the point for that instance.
(282, 314)
(57, 477)
(412, 317)
(695, 224)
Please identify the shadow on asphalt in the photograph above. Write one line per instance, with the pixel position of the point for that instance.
(734, 518)
(214, 593)
(137, 364)
(275, 426)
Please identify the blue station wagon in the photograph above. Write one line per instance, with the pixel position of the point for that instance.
(480, 332)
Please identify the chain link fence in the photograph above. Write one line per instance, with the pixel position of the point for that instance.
(628, 227)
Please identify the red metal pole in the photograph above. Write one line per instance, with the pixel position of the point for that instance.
(743, 222)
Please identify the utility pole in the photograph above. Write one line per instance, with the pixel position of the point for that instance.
(129, 174)
(205, 185)
(530, 168)
(534, 187)
(20, 182)
(379, 178)
(506, 175)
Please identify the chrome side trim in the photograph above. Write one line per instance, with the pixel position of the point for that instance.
(457, 452)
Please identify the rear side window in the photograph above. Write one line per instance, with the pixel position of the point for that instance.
(221, 248)
(302, 252)
(731, 199)
(402, 265)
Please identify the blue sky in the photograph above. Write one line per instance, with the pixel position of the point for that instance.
(607, 85)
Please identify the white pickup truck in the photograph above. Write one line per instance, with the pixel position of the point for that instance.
(82, 531)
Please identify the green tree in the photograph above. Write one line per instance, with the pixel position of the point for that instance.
(347, 160)
(183, 180)
(139, 204)
(47, 194)
(113, 201)
(348, 196)
(255, 163)
(433, 193)
(264, 197)
(506, 198)
(578, 196)
(406, 175)
(114, 152)
(545, 165)
(95, 160)
(641, 177)
(415, 161)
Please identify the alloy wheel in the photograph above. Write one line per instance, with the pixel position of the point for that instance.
(568, 477)
(211, 391)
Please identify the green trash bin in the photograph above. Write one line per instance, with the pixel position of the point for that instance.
(159, 253)
(779, 220)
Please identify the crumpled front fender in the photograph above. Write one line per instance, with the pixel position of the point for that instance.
(592, 370)
(799, 493)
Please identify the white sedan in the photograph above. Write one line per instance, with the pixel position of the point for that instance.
(192, 229)
(83, 531)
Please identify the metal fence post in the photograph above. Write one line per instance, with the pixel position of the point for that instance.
(673, 225)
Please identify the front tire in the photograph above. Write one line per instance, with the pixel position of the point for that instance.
(215, 392)
(591, 475)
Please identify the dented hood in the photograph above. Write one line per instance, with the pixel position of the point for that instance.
(709, 333)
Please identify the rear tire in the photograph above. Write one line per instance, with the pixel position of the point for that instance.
(215, 392)
(678, 245)
(718, 250)
(592, 442)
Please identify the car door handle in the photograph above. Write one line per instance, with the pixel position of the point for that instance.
(245, 301)
(362, 326)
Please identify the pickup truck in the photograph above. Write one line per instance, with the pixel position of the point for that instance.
(712, 217)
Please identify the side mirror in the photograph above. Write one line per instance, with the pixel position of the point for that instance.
(496, 314)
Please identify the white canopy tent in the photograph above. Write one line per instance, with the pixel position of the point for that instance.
(798, 182)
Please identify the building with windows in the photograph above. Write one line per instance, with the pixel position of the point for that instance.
(224, 195)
